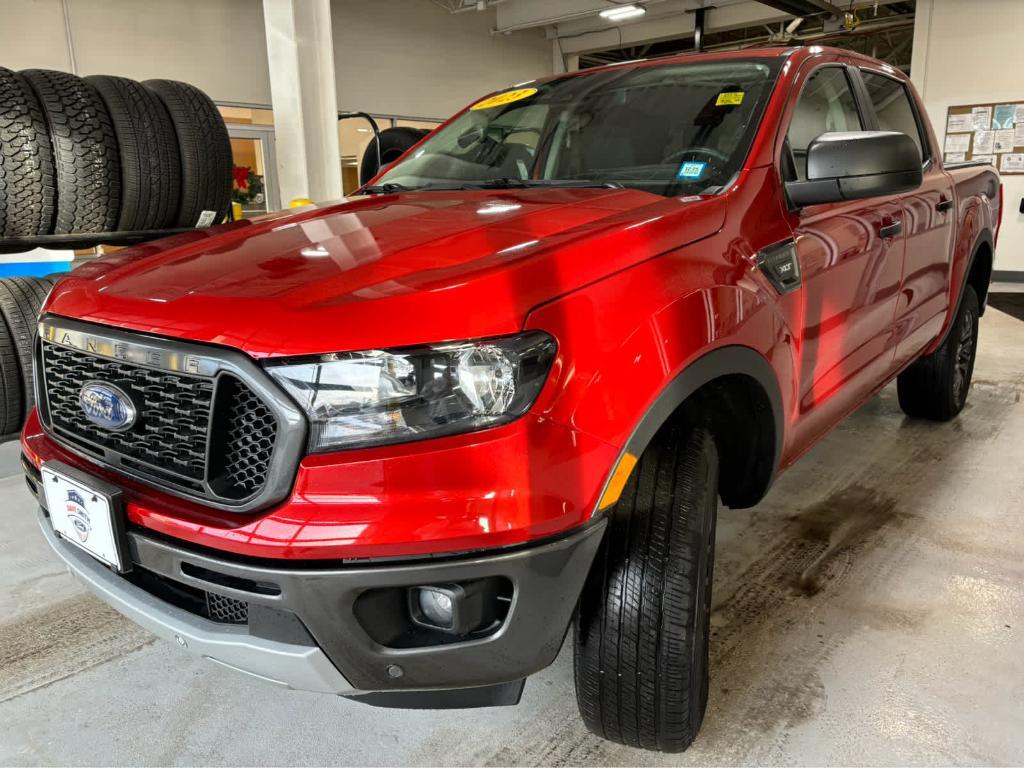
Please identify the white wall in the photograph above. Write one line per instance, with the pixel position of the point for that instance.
(972, 52)
(411, 57)
(218, 45)
(405, 57)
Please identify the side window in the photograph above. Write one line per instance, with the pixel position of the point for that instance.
(892, 105)
(826, 104)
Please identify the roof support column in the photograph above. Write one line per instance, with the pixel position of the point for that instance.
(300, 54)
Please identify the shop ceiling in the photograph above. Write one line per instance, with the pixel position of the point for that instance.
(881, 28)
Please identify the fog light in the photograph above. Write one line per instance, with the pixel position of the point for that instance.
(435, 607)
(458, 609)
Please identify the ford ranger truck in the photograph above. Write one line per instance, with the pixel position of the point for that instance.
(394, 447)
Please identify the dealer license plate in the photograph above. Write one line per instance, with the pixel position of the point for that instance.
(85, 512)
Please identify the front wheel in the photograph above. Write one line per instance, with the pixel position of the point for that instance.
(641, 630)
(935, 387)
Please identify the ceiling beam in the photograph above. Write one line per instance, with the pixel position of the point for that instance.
(803, 7)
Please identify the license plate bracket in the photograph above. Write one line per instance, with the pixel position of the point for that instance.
(86, 512)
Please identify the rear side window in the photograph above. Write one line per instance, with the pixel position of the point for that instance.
(892, 105)
(826, 105)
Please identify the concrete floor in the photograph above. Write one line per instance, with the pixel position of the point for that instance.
(870, 611)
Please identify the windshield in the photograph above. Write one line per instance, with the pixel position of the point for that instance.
(672, 130)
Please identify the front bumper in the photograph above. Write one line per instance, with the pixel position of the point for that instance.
(312, 628)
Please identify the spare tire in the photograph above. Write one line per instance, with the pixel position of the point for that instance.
(27, 190)
(148, 146)
(20, 301)
(84, 149)
(205, 149)
(394, 142)
(12, 406)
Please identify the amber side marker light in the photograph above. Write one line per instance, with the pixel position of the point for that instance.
(618, 482)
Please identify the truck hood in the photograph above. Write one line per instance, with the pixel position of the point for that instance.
(381, 271)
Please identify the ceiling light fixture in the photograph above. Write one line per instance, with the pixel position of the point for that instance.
(621, 12)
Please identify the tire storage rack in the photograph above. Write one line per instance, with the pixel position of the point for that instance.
(90, 161)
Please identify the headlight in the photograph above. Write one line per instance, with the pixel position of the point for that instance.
(388, 396)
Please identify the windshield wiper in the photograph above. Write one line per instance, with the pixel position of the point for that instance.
(387, 188)
(392, 187)
(507, 183)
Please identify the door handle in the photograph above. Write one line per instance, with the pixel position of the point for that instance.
(891, 230)
(944, 204)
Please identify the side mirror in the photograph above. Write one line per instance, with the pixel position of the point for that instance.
(858, 164)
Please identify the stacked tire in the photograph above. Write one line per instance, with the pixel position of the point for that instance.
(94, 155)
(103, 154)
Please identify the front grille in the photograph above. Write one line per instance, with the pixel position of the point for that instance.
(206, 436)
(226, 610)
(245, 430)
(173, 411)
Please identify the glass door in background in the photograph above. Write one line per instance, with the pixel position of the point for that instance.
(254, 183)
(255, 170)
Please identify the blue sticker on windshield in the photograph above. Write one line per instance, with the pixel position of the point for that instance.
(691, 170)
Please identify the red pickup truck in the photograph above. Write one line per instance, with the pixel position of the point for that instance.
(393, 447)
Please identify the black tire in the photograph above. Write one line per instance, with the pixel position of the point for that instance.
(642, 626)
(935, 387)
(28, 193)
(11, 404)
(394, 142)
(20, 301)
(84, 150)
(205, 151)
(149, 157)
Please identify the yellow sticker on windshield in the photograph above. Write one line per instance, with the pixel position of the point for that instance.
(731, 99)
(506, 98)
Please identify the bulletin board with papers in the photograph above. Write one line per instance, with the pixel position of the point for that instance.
(992, 133)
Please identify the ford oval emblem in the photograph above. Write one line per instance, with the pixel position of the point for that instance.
(107, 406)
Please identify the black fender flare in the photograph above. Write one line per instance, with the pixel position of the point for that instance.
(984, 238)
(723, 361)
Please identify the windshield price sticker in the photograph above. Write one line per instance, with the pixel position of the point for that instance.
(691, 170)
(730, 99)
(505, 98)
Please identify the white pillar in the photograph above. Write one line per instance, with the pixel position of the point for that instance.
(557, 59)
(300, 53)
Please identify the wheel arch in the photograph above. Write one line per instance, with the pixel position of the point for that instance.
(734, 391)
(977, 274)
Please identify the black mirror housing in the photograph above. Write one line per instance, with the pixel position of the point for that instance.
(855, 165)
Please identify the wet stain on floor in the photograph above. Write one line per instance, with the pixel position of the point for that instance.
(845, 520)
(62, 639)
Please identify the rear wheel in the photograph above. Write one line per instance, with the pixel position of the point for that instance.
(935, 387)
(641, 631)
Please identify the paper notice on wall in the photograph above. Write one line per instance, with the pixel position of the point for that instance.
(983, 141)
(958, 142)
(1012, 162)
(981, 118)
(990, 159)
(955, 157)
(1003, 141)
(1018, 135)
(1019, 115)
(1004, 116)
(960, 123)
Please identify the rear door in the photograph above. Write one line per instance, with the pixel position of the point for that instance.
(928, 216)
(851, 261)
